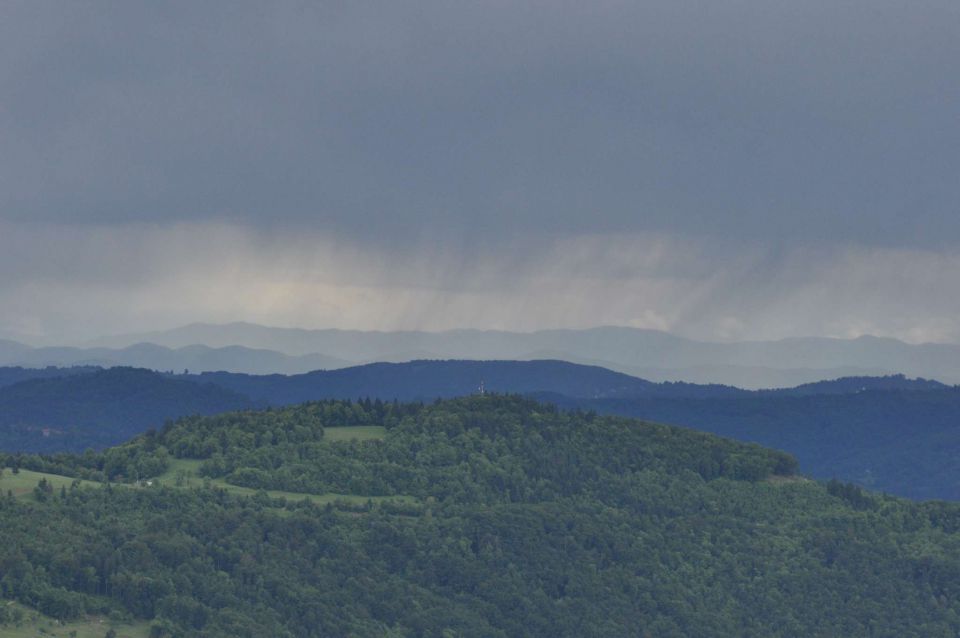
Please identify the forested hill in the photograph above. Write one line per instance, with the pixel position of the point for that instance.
(428, 380)
(17, 374)
(854, 385)
(901, 442)
(478, 517)
(891, 433)
(101, 408)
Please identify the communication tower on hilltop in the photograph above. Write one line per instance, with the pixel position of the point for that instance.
(482, 390)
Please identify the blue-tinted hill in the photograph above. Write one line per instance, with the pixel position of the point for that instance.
(11, 375)
(905, 442)
(101, 408)
(853, 385)
(428, 380)
(891, 433)
(478, 517)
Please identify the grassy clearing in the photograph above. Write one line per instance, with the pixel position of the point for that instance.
(36, 625)
(185, 473)
(23, 483)
(351, 432)
(784, 480)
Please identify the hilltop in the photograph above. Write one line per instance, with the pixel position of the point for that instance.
(195, 357)
(485, 516)
(96, 408)
(904, 442)
(893, 434)
(424, 380)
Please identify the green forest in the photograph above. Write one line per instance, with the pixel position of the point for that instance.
(486, 516)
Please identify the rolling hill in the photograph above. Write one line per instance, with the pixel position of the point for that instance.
(428, 380)
(101, 408)
(893, 434)
(496, 517)
(12, 375)
(900, 442)
(154, 357)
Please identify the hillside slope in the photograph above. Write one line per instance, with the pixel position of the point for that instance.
(525, 521)
(101, 408)
(902, 442)
(891, 433)
(15, 374)
(428, 380)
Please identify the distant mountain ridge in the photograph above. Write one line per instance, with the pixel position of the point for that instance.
(855, 385)
(12, 375)
(156, 357)
(432, 379)
(905, 442)
(427, 380)
(98, 408)
(892, 433)
(241, 359)
(649, 353)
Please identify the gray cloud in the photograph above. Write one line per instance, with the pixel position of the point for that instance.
(93, 280)
(812, 121)
(725, 170)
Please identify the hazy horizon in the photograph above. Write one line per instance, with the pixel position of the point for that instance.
(723, 172)
(93, 338)
(514, 317)
(645, 353)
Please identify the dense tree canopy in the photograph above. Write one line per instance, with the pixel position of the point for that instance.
(520, 520)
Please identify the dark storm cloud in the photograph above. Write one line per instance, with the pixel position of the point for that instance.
(737, 169)
(779, 121)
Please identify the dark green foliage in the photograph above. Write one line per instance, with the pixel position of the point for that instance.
(11, 375)
(531, 522)
(889, 433)
(852, 494)
(483, 449)
(124, 463)
(901, 442)
(80, 410)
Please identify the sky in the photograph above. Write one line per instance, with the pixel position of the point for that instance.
(728, 170)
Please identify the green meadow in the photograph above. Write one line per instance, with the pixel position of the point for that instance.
(23, 483)
(33, 624)
(184, 473)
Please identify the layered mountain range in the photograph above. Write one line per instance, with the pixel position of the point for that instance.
(893, 433)
(478, 517)
(654, 355)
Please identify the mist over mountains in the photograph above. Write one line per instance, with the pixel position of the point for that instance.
(155, 357)
(650, 354)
